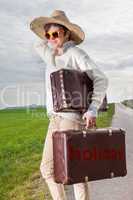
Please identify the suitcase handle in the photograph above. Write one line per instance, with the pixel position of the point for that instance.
(83, 126)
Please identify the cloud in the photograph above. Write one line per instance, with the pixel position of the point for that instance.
(107, 24)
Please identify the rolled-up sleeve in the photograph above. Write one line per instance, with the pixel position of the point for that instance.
(100, 81)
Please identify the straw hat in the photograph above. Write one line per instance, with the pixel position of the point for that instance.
(58, 16)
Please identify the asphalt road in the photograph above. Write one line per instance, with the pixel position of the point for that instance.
(120, 188)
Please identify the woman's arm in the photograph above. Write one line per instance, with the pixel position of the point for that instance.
(40, 47)
(100, 82)
(44, 51)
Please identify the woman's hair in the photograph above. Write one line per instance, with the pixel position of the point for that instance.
(47, 27)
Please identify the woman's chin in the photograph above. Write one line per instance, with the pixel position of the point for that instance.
(52, 45)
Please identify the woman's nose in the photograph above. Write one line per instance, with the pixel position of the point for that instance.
(52, 37)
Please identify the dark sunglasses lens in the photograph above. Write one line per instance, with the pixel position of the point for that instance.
(55, 34)
(47, 35)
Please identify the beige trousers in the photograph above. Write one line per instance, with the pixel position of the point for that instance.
(81, 190)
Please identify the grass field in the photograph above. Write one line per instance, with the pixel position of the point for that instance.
(22, 135)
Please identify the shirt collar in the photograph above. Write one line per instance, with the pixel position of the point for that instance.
(68, 44)
(65, 45)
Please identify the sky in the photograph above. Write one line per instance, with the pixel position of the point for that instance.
(108, 41)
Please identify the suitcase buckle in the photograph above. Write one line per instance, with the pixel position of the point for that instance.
(86, 179)
(112, 174)
(86, 130)
(84, 133)
(110, 132)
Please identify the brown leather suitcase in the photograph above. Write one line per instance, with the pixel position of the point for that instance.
(71, 90)
(88, 155)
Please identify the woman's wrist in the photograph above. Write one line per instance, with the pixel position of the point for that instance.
(92, 111)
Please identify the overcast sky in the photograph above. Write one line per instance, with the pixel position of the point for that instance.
(109, 42)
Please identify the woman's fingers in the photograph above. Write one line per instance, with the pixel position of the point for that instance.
(93, 122)
(87, 123)
(90, 122)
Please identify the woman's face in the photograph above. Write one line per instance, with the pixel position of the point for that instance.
(57, 42)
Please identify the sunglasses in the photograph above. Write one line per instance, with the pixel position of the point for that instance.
(54, 34)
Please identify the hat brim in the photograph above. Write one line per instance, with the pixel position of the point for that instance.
(37, 26)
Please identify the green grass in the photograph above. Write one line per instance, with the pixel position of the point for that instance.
(104, 118)
(22, 135)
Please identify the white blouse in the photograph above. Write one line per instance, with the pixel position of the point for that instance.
(73, 57)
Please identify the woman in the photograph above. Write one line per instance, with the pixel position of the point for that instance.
(59, 49)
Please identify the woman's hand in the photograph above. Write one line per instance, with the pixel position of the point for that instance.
(90, 119)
